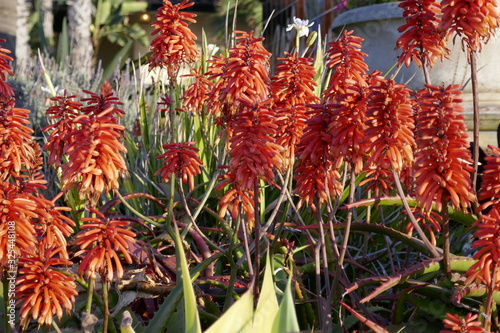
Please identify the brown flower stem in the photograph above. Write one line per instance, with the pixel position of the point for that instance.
(427, 77)
(475, 108)
(417, 227)
(5, 293)
(489, 299)
(446, 236)
(106, 305)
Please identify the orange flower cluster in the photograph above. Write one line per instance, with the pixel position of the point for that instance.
(15, 143)
(453, 323)
(93, 147)
(292, 87)
(6, 90)
(99, 240)
(487, 233)
(316, 175)
(196, 95)
(443, 162)
(347, 61)
(429, 221)
(475, 21)
(389, 132)
(63, 113)
(348, 126)
(243, 78)
(390, 123)
(176, 43)
(180, 159)
(421, 41)
(43, 290)
(253, 152)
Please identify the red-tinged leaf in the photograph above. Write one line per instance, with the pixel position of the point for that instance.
(372, 325)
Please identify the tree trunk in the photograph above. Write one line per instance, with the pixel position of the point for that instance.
(22, 48)
(46, 9)
(79, 22)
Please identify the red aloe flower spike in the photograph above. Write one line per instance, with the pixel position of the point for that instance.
(182, 160)
(15, 139)
(316, 175)
(176, 43)
(244, 81)
(443, 163)
(431, 222)
(453, 323)
(17, 209)
(99, 240)
(63, 113)
(43, 290)
(94, 160)
(347, 127)
(489, 194)
(196, 95)
(6, 90)
(292, 87)
(347, 61)
(390, 123)
(234, 198)
(474, 21)
(487, 235)
(421, 41)
(253, 152)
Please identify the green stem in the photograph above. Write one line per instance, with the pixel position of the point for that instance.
(106, 305)
(446, 237)
(90, 294)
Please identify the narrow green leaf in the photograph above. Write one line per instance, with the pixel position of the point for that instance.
(267, 306)
(238, 318)
(103, 11)
(192, 320)
(169, 305)
(286, 318)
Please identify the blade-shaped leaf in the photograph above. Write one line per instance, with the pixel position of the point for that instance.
(267, 306)
(238, 318)
(286, 318)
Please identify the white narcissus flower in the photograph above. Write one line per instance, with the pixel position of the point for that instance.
(302, 26)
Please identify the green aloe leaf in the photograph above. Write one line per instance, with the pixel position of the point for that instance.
(267, 306)
(192, 320)
(286, 318)
(238, 318)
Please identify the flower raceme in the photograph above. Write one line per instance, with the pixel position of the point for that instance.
(347, 61)
(443, 162)
(175, 44)
(100, 239)
(43, 290)
(421, 41)
(316, 175)
(292, 87)
(196, 95)
(94, 160)
(243, 78)
(181, 160)
(474, 21)
(63, 113)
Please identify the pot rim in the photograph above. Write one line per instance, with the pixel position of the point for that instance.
(381, 11)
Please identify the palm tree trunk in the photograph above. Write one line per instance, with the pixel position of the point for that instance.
(22, 49)
(79, 22)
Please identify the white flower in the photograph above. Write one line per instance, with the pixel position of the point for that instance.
(302, 26)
